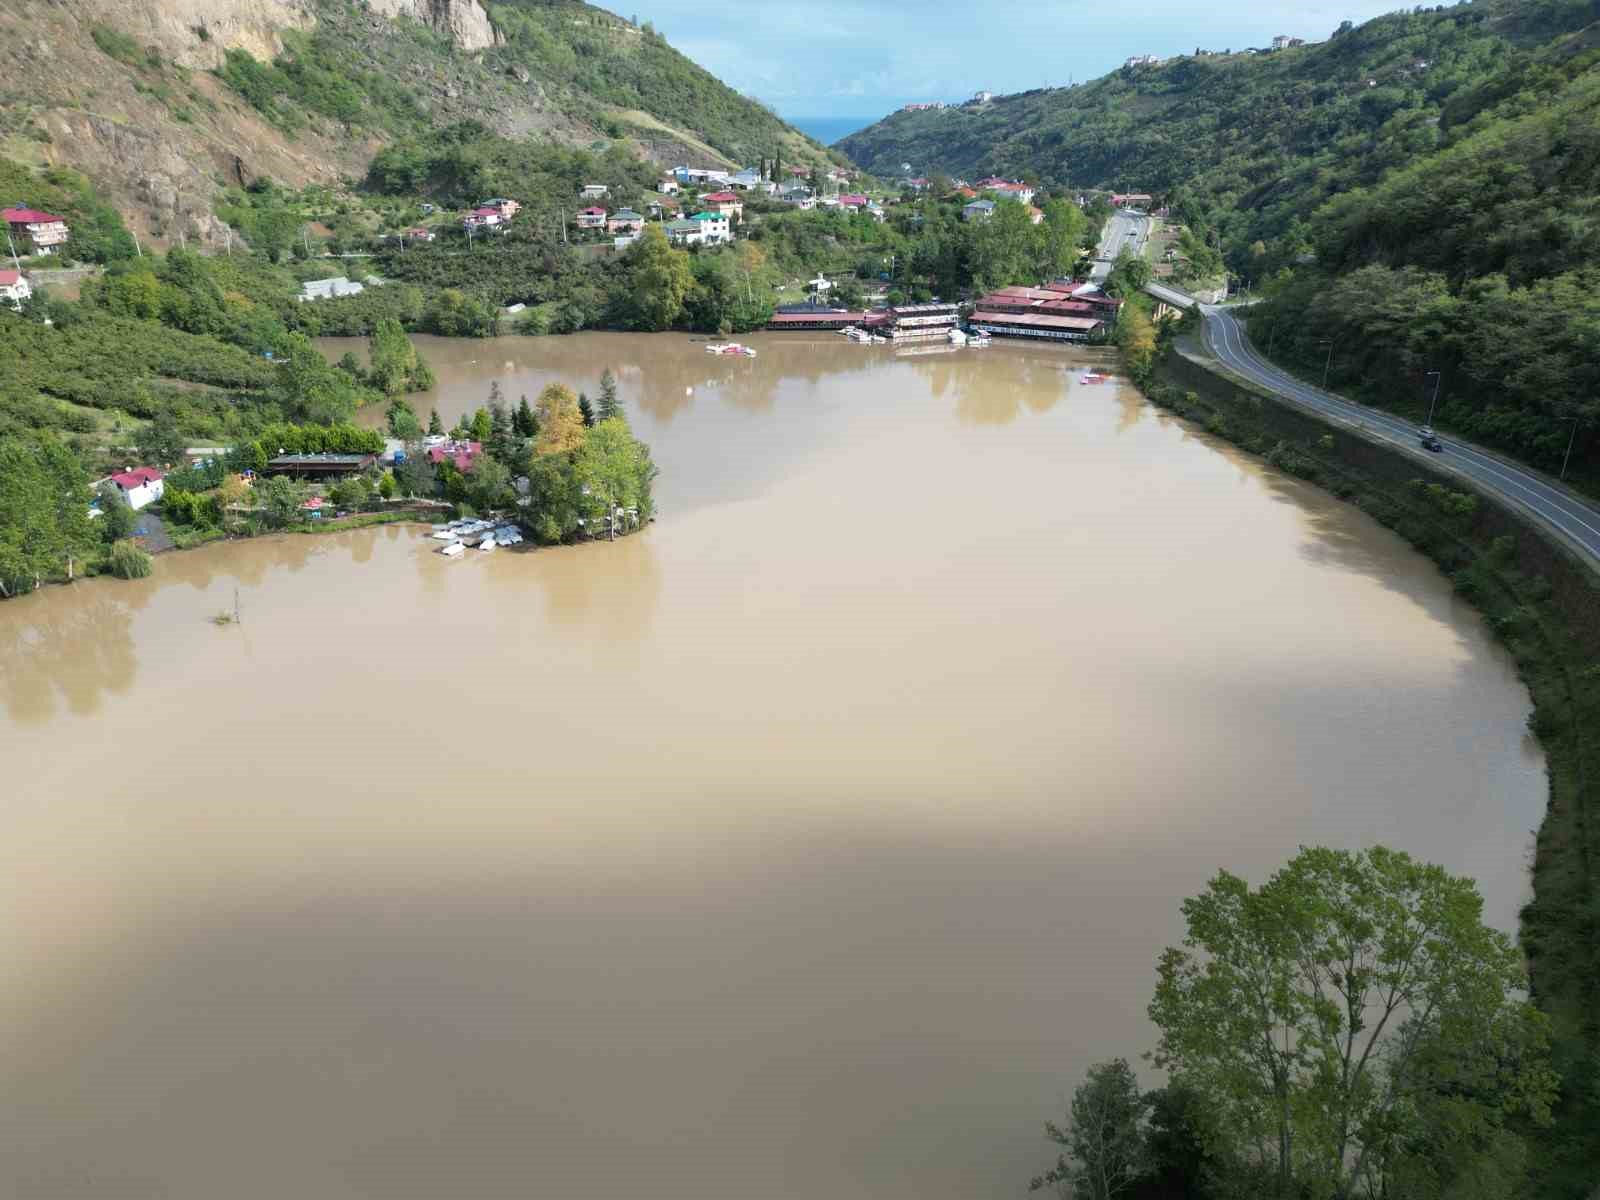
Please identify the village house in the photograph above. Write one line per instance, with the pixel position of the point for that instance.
(685, 233)
(481, 218)
(594, 191)
(745, 180)
(460, 455)
(875, 211)
(983, 97)
(139, 486)
(44, 233)
(854, 201)
(714, 228)
(978, 210)
(625, 221)
(668, 186)
(663, 207)
(503, 208)
(418, 233)
(1130, 199)
(798, 196)
(591, 218)
(14, 288)
(1007, 188)
(726, 203)
(838, 175)
(1036, 215)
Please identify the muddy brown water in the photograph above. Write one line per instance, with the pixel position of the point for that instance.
(810, 844)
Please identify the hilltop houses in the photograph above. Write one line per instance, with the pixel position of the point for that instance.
(594, 191)
(978, 210)
(485, 218)
(41, 232)
(591, 218)
(668, 186)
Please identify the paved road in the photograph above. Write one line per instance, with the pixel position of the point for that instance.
(1574, 521)
(1123, 231)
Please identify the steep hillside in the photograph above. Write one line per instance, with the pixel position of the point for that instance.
(163, 102)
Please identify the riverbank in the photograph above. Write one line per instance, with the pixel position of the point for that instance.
(1543, 605)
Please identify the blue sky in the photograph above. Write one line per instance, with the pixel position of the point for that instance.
(809, 58)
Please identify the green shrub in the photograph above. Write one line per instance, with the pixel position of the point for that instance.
(128, 561)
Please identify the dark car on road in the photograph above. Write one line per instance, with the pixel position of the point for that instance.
(1429, 440)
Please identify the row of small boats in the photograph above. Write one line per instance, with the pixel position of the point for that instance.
(735, 349)
(484, 535)
(974, 341)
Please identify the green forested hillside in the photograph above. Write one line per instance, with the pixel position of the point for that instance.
(1419, 191)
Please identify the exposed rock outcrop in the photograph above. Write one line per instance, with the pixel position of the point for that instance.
(465, 21)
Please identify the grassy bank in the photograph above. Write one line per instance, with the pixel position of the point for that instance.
(1544, 607)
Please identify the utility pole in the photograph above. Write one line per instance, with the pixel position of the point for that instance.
(15, 261)
(1437, 380)
(1571, 441)
(1327, 366)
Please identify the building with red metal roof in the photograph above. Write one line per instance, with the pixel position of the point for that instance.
(45, 232)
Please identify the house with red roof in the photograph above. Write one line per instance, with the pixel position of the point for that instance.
(14, 288)
(139, 485)
(727, 204)
(591, 218)
(44, 232)
(853, 201)
(1007, 188)
(460, 455)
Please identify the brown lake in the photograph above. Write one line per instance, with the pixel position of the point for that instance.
(809, 844)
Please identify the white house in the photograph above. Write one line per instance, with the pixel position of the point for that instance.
(668, 186)
(983, 97)
(14, 288)
(594, 191)
(328, 289)
(978, 210)
(140, 486)
(745, 180)
(714, 228)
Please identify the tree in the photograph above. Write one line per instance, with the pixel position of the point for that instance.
(503, 444)
(561, 428)
(280, 498)
(44, 511)
(394, 358)
(1129, 274)
(524, 422)
(613, 470)
(489, 484)
(1137, 338)
(402, 419)
(160, 442)
(1059, 239)
(585, 409)
(386, 485)
(482, 426)
(1104, 1136)
(608, 406)
(658, 280)
(1317, 1013)
(117, 519)
(308, 387)
(435, 425)
(1004, 248)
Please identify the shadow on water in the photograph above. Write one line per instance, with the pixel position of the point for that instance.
(68, 645)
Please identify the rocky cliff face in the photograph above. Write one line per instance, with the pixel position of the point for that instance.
(465, 21)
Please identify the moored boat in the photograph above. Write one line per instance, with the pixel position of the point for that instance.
(453, 550)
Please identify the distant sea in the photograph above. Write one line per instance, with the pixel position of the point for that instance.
(829, 130)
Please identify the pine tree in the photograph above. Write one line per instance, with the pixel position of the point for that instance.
(586, 409)
(608, 407)
(523, 421)
(435, 425)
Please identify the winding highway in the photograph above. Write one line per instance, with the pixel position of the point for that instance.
(1574, 521)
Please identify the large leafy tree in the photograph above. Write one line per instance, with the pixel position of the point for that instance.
(44, 511)
(613, 470)
(561, 428)
(1329, 1015)
(659, 278)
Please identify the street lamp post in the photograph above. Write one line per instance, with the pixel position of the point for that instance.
(1571, 441)
(1432, 404)
(1328, 365)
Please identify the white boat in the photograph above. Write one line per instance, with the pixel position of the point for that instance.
(445, 535)
(453, 550)
(732, 348)
(958, 338)
(978, 341)
(486, 544)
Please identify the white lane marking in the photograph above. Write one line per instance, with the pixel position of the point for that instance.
(1551, 504)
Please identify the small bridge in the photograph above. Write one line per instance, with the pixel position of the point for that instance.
(1171, 295)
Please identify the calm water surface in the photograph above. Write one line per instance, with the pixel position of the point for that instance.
(808, 845)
